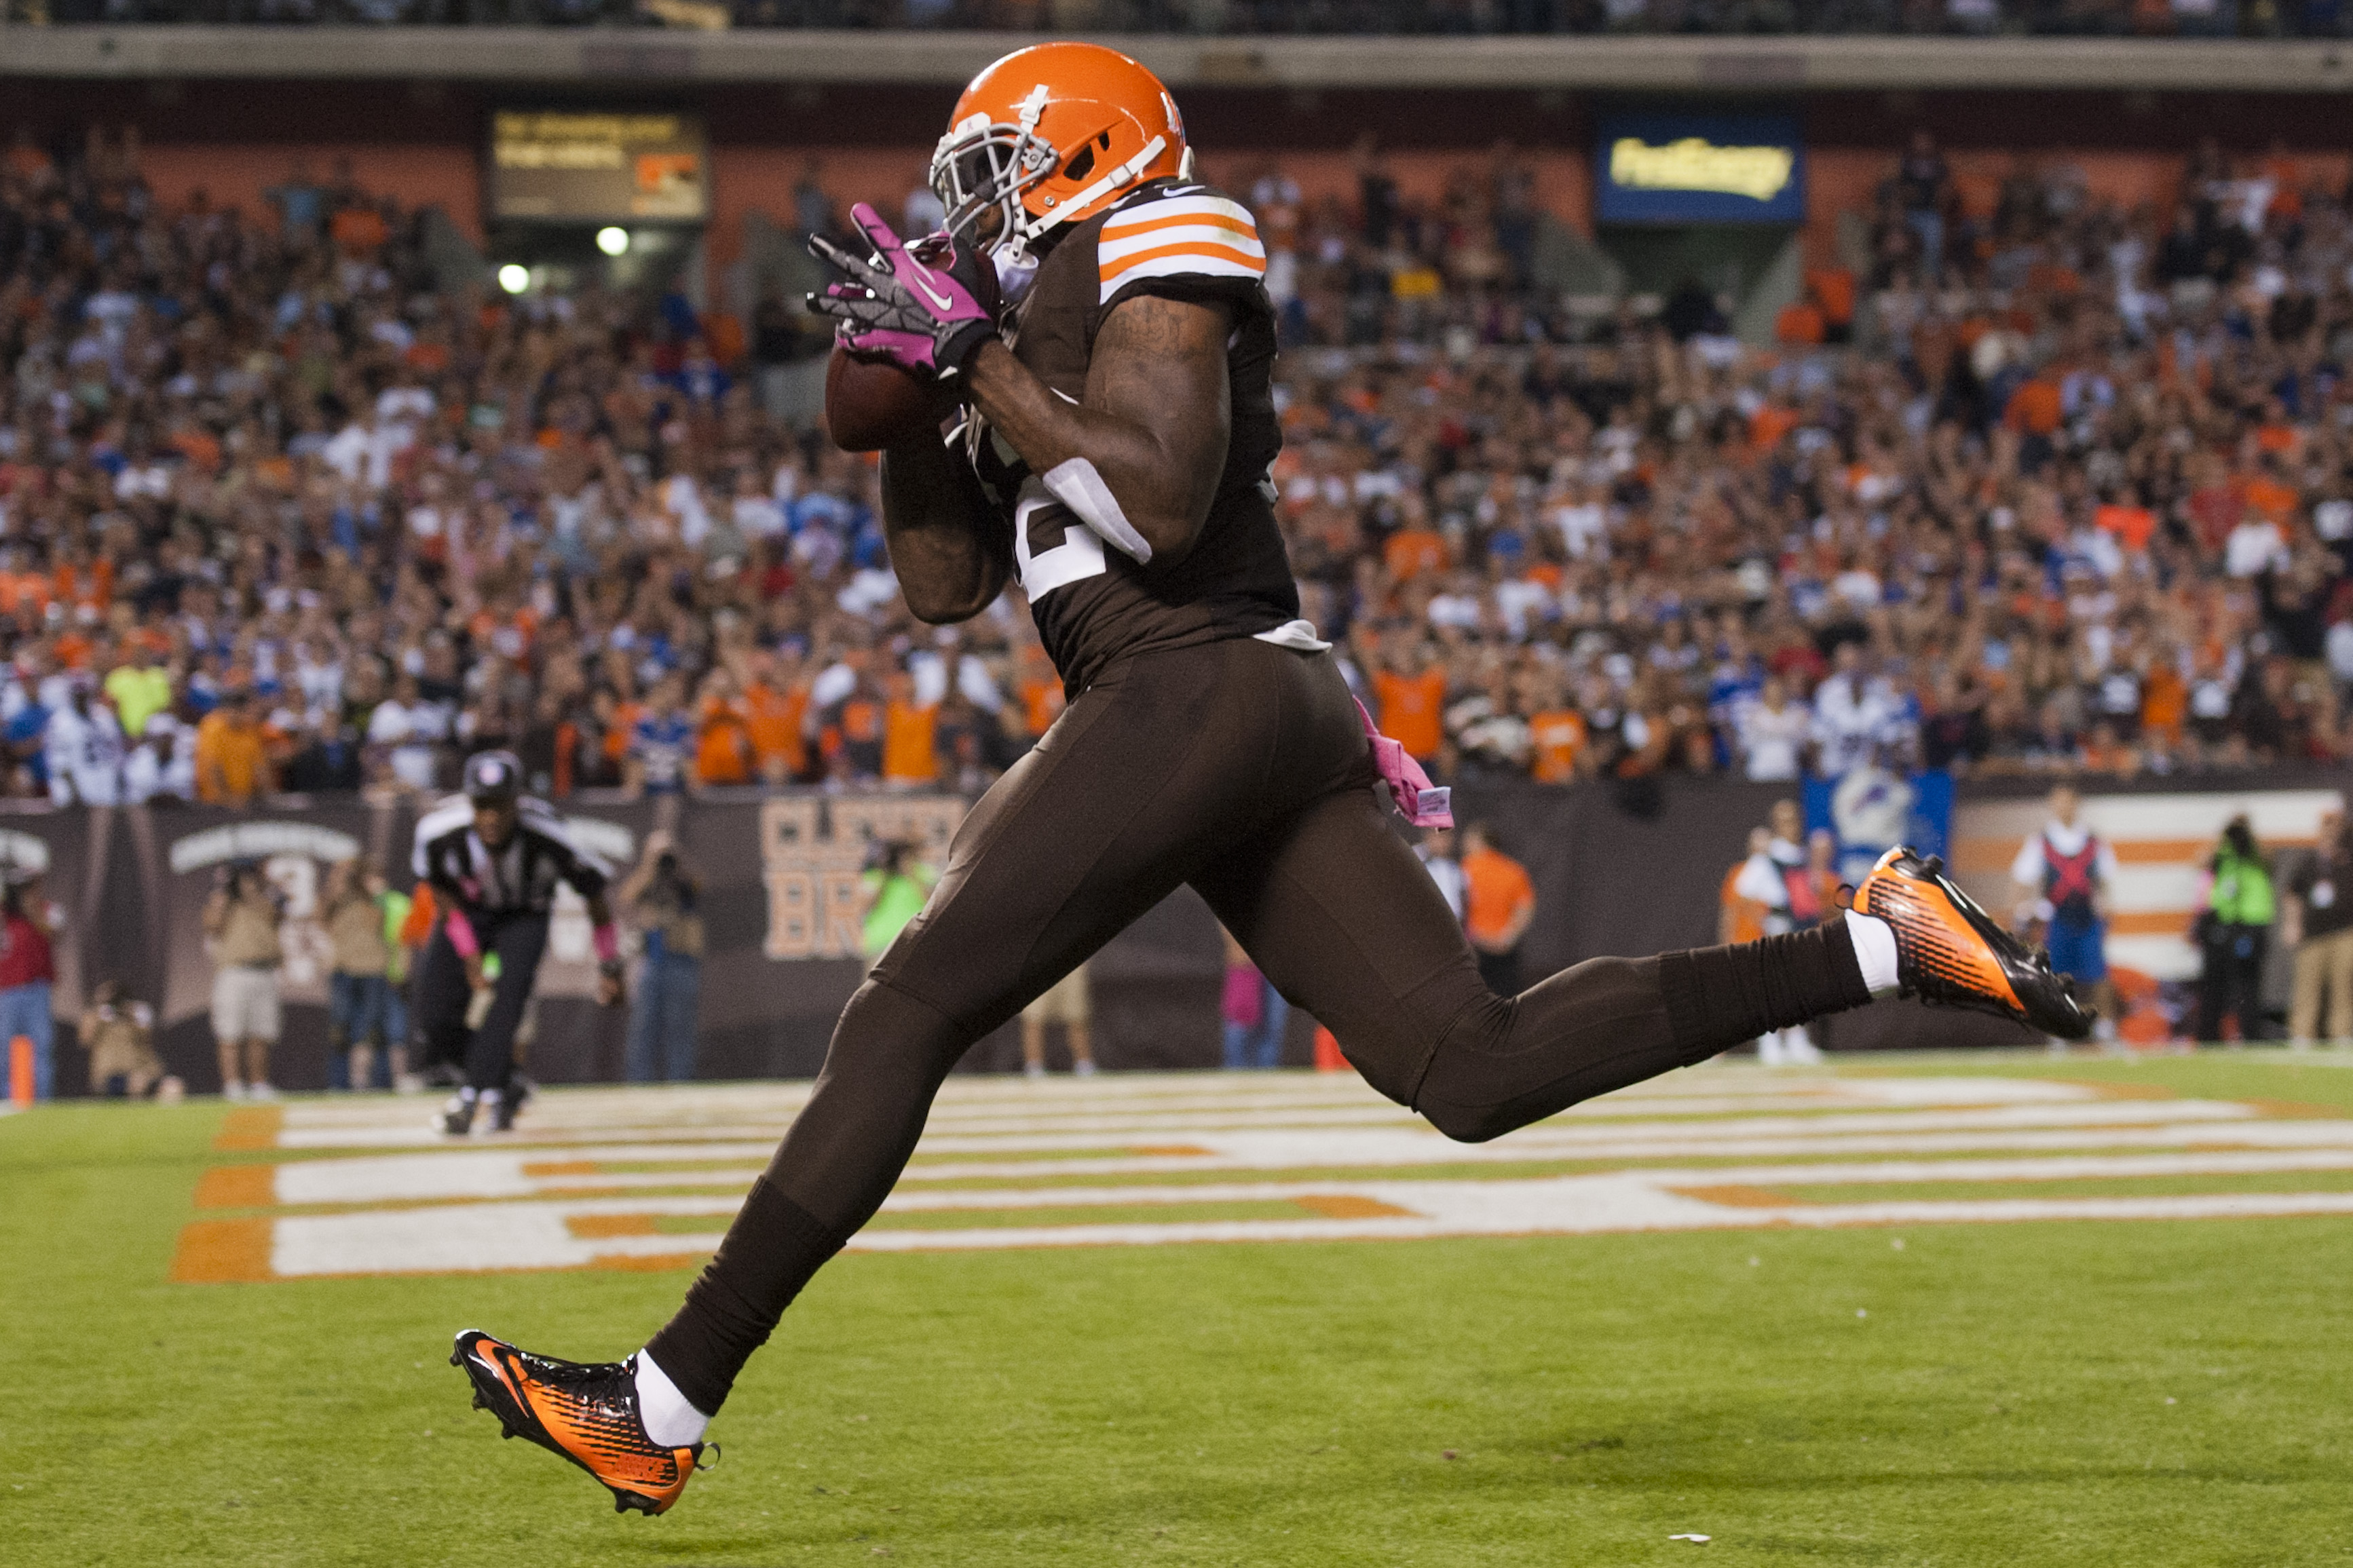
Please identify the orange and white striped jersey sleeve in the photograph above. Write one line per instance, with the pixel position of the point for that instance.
(1185, 232)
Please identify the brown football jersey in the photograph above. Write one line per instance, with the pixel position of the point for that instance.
(1093, 604)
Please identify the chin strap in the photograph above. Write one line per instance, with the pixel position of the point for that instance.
(1110, 181)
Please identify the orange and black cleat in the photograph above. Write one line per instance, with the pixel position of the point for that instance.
(586, 1412)
(1949, 951)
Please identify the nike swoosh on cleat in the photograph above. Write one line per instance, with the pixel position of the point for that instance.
(490, 1365)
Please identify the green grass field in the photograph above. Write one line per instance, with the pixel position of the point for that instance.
(2145, 1393)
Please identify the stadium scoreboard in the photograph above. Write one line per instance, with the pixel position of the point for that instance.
(575, 166)
(1699, 169)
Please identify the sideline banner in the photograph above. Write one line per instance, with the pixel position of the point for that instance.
(181, 854)
(1870, 811)
(1616, 872)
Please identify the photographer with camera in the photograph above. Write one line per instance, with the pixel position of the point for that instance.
(662, 898)
(241, 926)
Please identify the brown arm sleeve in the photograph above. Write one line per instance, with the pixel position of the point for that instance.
(951, 551)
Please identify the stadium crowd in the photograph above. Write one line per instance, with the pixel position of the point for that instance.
(2082, 18)
(2047, 484)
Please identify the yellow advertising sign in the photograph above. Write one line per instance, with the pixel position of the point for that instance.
(1695, 163)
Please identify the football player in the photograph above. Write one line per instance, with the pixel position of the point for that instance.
(1102, 316)
(493, 857)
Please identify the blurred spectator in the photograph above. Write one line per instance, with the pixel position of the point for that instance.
(661, 742)
(1435, 851)
(162, 766)
(2234, 929)
(662, 898)
(241, 921)
(1069, 1003)
(1774, 731)
(1739, 917)
(2065, 872)
(890, 892)
(910, 734)
(404, 938)
(1499, 902)
(121, 1038)
(140, 687)
(2316, 921)
(1775, 886)
(231, 765)
(84, 750)
(29, 925)
(1255, 1015)
(359, 981)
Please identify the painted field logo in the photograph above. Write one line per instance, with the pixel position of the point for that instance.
(811, 851)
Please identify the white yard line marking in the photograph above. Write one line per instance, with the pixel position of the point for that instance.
(596, 1180)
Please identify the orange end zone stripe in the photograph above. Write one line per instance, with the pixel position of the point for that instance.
(1349, 1205)
(2151, 922)
(1204, 248)
(538, 1168)
(249, 1127)
(237, 1187)
(1734, 1195)
(651, 1263)
(223, 1252)
(596, 1226)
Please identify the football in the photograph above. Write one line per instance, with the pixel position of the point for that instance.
(871, 403)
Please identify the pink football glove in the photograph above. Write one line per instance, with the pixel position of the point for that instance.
(925, 309)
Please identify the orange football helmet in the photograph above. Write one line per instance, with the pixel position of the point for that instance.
(1049, 135)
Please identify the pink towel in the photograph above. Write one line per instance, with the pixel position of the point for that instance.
(1420, 803)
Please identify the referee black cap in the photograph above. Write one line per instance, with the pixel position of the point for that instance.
(493, 778)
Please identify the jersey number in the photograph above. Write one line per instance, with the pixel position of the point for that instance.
(1079, 554)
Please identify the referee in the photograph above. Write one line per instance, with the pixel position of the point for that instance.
(492, 858)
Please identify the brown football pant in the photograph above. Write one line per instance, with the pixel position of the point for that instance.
(1241, 768)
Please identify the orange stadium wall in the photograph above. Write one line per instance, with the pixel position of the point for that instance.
(238, 174)
(760, 179)
(749, 178)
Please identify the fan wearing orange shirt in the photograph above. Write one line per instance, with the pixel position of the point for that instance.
(1738, 918)
(1412, 551)
(627, 712)
(1413, 708)
(1556, 737)
(1040, 690)
(723, 736)
(910, 731)
(231, 765)
(2034, 409)
(1498, 903)
(774, 708)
